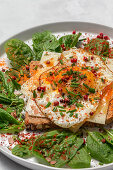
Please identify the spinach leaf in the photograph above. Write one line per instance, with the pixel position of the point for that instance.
(82, 159)
(108, 135)
(69, 41)
(102, 152)
(19, 53)
(43, 41)
(22, 151)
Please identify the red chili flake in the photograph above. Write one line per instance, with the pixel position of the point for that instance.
(56, 103)
(84, 141)
(3, 70)
(103, 140)
(30, 148)
(86, 97)
(13, 77)
(66, 137)
(8, 80)
(73, 60)
(106, 37)
(93, 71)
(85, 59)
(91, 113)
(1, 105)
(74, 32)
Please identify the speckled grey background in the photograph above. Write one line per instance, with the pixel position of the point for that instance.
(18, 15)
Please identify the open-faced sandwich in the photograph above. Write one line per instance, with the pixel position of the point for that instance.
(64, 84)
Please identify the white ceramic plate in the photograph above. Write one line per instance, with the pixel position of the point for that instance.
(56, 28)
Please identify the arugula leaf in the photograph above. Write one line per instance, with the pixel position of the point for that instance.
(43, 41)
(82, 159)
(19, 53)
(102, 152)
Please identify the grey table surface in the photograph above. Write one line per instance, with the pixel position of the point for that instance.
(18, 15)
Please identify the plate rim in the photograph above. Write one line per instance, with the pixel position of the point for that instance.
(16, 158)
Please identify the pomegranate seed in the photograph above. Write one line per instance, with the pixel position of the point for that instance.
(106, 37)
(95, 74)
(13, 77)
(101, 35)
(93, 71)
(84, 141)
(39, 88)
(86, 97)
(48, 62)
(85, 59)
(73, 60)
(103, 140)
(98, 36)
(64, 105)
(62, 100)
(1, 105)
(74, 32)
(60, 89)
(92, 57)
(64, 48)
(56, 103)
(91, 113)
(3, 70)
(27, 67)
(66, 100)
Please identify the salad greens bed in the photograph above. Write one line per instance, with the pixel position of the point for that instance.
(58, 148)
(61, 148)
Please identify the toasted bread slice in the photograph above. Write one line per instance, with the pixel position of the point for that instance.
(35, 122)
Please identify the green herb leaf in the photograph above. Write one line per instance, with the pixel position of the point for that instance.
(49, 103)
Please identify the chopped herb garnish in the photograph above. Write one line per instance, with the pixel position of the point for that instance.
(61, 110)
(71, 57)
(35, 67)
(96, 98)
(41, 95)
(49, 103)
(61, 114)
(60, 81)
(54, 83)
(92, 90)
(79, 105)
(61, 62)
(71, 114)
(61, 70)
(102, 80)
(70, 111)
(34, 94)
(54, 109)
(60, 107)
(21, 73)
(76, 115)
